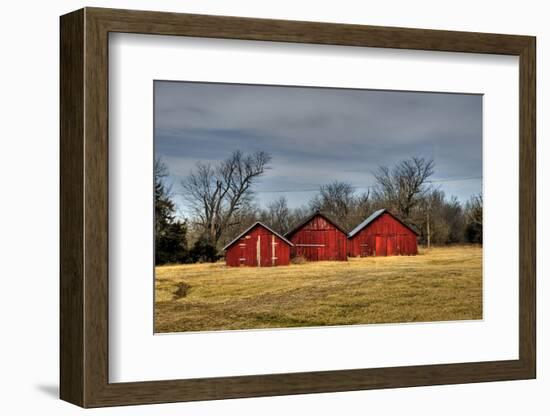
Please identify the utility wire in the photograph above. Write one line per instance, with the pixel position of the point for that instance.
(368, 186)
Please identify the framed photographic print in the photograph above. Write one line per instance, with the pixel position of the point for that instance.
(255, 207)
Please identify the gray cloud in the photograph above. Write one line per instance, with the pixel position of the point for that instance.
(316, 135)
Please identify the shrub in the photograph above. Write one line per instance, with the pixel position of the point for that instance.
(203, 252)
(298, 260)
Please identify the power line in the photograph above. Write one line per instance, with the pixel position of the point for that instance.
(456, 179)
(275, 191)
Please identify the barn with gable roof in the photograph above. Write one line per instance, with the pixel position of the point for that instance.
(258, 246)
(382, 234)
(317, 238)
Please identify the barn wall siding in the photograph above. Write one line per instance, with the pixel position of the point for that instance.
(319, 240)
(385, 236)
(273, 251)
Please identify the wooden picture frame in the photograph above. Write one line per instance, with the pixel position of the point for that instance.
(84, 207)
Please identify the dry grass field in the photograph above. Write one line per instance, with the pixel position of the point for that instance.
(439, 284)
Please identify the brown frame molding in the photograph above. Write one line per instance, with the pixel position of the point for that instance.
(84, 207)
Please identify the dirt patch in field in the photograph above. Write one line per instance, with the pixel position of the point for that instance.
(182, 289)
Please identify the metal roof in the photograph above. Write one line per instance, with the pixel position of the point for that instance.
(374, 216)
(366, 222)
(250, 228)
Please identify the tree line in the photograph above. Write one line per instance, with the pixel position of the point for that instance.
(220, 201)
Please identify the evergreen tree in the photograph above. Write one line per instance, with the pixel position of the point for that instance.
(203, 252)
(171, 245)
(170, 234)
(474, 219)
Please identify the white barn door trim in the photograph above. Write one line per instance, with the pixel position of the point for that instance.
(258, 252)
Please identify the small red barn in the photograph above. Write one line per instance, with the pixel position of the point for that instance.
(382, 234)
(258, 246)
(318, 238)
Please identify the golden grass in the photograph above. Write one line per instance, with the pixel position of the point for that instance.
(439, 284)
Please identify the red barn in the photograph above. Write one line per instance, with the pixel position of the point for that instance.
(258, 246)
(318, 238)
(382, 234)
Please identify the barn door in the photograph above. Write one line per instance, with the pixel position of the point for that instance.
(242, 252)
(273, 247)
(364, 249)
(401, 244)
(266, 250)
(317, 249)
(381, 245)
(259, 251)
(391, 249)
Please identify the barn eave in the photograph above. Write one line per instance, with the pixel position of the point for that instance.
(288, 234)
(261, 224)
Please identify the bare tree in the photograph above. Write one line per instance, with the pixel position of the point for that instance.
(335, 198)
(453, 215)
(404, 185)
(298, 214)
(340, 201)
(277, 215)
(216, 193)
(439, 219)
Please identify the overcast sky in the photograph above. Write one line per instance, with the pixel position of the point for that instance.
(318, 135)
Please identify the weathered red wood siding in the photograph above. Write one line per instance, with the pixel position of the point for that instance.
(273, 250)
(319, 240)
(385, 236)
